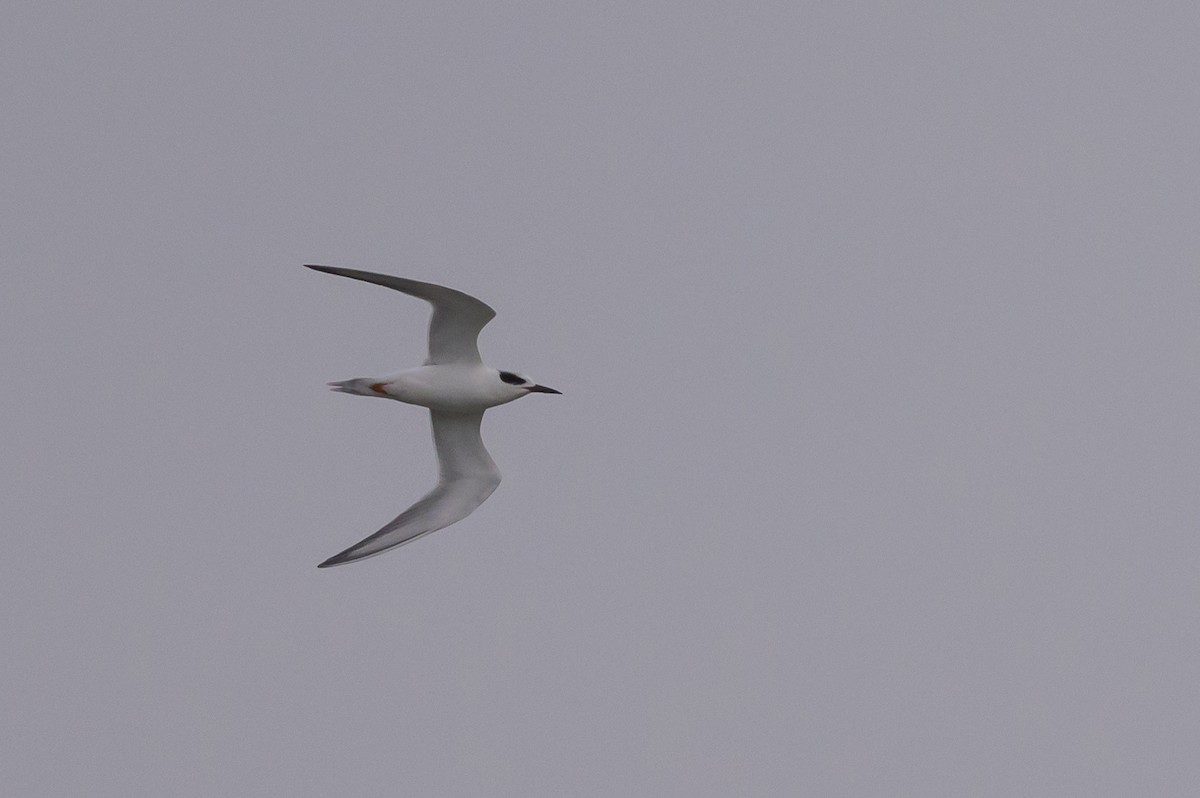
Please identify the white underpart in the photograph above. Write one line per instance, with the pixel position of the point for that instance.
(457, 387)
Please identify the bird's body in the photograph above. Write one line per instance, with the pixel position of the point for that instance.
(456, 387)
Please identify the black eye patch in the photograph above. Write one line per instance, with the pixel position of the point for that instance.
(512, 379)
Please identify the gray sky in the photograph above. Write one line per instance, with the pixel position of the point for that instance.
(875, 472)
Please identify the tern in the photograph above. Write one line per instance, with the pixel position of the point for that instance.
(456, 387)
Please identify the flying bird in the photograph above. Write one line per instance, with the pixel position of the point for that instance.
(456, 387)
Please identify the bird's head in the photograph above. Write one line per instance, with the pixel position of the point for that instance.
(523, 385)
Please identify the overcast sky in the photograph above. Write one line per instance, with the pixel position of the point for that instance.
(875, 472)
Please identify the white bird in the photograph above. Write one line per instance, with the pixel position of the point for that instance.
(456, 387)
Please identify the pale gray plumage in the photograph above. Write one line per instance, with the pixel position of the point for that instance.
(466, 477)
(457, 388)
(456, 321)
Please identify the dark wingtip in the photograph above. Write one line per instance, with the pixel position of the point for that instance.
(342, 557)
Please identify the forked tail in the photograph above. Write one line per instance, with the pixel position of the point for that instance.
(362, 386)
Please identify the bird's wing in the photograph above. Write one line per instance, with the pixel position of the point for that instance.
(466, 477)
(457, 317)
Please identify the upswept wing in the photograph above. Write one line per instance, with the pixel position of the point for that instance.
(466, 477)
(457, 317)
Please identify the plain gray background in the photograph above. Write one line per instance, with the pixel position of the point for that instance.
(875, 472)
